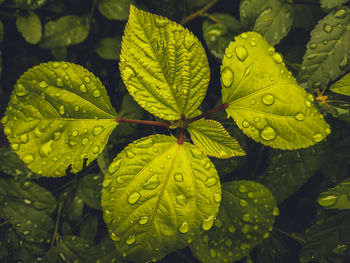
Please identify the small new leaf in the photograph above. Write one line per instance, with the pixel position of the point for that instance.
(58, 115)
(328, 54)
(163, 66)
(115, 9)
(265, 100)
(156, 195)
(342, 86)
(30, 27)
(337, 197)
(212, 138)
(245, 218)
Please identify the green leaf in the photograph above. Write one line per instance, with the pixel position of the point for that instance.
(30, 27)
(109, 47)
(328, 52)
(337, 197)
(156, 195)
(28, 193)
(1, 32)
(245, 218)
(342, 86)
(249, 11)
(31, 224)
(329, 4)
(88, 229)
(275, 21)
(89, 190)
(305, 16)
(287, 171)
(65, 31)
(212, 138)
(163, 66)
(265, 100)
(29, 4)
(115, 9)
(76, 249)
(328, 234)
(73, 208)
(59, 114)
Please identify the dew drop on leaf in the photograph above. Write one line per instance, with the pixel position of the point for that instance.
(317, 137)
(207, 166)
(28, 158)
(61, 110)
(114, 166)
(252, 43)
(211, 181)
(130, 154)
(246, 217)
(96, 149)
(299, 116)
(130, 240)
(96, 93)
(76, 108)
(152, 183)
(45, 149)
(184, 228)
(21, 91)
(227, 77)
(243, 202)
(228, 55)
(244, 36)
(242, 188)
(241, 53)
(178, 177)
(15, 146)
(83, 88)
(87, 79)
(23, 138)
(181, 200)
(245, 124)
(328, 200)
(275, 211)
(43, 84)
(257, 119)
(245, 229)
(313, 46)
(65, 66)
(115, 237)
(268, 99)
(56, 65)
(143, 220)
(212, 253)
(268, 133)
(341, 13)
(97, 130)
(208, 223)
(327, 130)
(217, 197)
(277, 58)
(133, 197)
(327, 28)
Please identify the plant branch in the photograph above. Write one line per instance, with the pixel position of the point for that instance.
(210, 17)
(92, 10)
(292, 236)
(199, 12)
(156, 123)
(221, 107)
(181, 138)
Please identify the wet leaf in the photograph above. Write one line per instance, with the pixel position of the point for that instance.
(59, 114)
(163, 66)
(156, 195)
(337, 197)
(245, 218)
(342, 86)
(329, 4)
(76, 249)
(265, 100)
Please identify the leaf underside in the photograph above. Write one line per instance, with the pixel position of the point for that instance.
(212, 138)
(245, 218)
(59, 114)
(163, 66)
(328, 51)
(156, 195)
(342, 86)
(264, 98)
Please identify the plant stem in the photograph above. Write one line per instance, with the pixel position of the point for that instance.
(199, 12)
(181, 137)
(4, 223)
(210, 17)
(183, 256)
(157, 123)
(59, 212)
(92, 10)
(221, 107)
(292, 236)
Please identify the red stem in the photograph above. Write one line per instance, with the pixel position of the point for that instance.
(221, 107)
(157, 123)
(181, 137)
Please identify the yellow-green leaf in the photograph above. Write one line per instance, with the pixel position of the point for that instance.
(342, 86)
(212, 138)
(163, 66)
(59, 114)
(264, 98)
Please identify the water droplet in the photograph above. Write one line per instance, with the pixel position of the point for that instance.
(228, 54)
(28, 158)
(217, 197)
(61, 109)
(97, 130)
(130, 240)
(134, 197)
(181, 200)
(130, 154)
(246, 217)
(43, 84)
(327, 28)
(313, 46)
(211, 181)
(208, 223)
(244, 35)
(252, 43)
(231, 228)
(317, 137)
(75, 133)
(341, 13)
(245, 124)
(4, 120)
(26, 232)
(250, 195)
(197, 154)
(15, 146)
(114, 166)
(327, 131)
(268, 99)
(56, 65)
(45, 149)
(23, 138)
(65, 66)
(245, 229)
(275, 211)
(277, 58)
(178, 177)
(243, 202)
(207, 166)
(344, 62)
(7, 131)
(227, 77)
(268, 133)
(20, 90)
(152, 183)
(143, 220)
(87, 79)
(242, 188)
(241, 53)
(83, 88)
(76, 108)
(96, 93)
(145, 142)
(257, 119)
(96, 149)
(57, 136)
(184, 228)
(212, 253)
(266, 235)
(299, 116)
